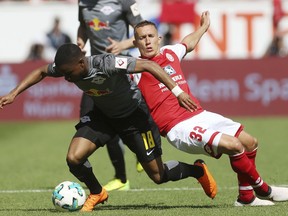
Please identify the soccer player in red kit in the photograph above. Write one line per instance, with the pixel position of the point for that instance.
(199, 131)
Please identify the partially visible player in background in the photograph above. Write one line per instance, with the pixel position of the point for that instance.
(106, 25)
(200, 131)
(55, 38)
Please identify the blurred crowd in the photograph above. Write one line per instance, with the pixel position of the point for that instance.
(46, 45)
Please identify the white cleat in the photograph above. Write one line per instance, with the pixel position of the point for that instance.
(278, 194)
(255, 202)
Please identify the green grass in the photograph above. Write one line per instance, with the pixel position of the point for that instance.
(32, 157)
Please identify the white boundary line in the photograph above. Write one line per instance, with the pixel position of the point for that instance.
(131, 190)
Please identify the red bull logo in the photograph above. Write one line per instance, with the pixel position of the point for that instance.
(98, 93)
(97, 25)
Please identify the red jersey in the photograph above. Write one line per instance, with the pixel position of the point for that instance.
(163, 105)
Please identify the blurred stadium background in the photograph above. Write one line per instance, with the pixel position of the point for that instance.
(230, 71)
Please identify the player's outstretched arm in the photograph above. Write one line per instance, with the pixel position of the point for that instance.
(30, 80)
(191, 40)
(153, 68)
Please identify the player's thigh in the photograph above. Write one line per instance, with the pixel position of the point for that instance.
(140, 133)
(230, 145)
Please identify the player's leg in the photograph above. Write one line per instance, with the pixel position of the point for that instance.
(116, 154)
(217, 135)
(90, 135)
(246, 193)
(140, 133)
(276, 193)
(203, 133)
(79, 150)
(246, 172)
(174, 170)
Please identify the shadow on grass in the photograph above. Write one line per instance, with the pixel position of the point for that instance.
(158, 206)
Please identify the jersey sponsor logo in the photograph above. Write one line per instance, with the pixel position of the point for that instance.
(98, 93)
(97, 24)
(121, 62)
(169, 70)
(134, 9)
(107, 10)
(169, 57)
(98, 80)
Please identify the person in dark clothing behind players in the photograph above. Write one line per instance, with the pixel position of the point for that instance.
(107, 29)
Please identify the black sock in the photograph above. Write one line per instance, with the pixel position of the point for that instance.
(84, 173)
(117, 158)
(175, 170)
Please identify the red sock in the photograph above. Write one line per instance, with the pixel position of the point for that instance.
(246, 194)
(242, 165)
(252, 156)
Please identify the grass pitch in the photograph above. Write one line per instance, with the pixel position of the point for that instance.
(32, 158)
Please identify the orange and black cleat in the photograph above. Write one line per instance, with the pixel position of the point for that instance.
(207, 181)
(93, 200)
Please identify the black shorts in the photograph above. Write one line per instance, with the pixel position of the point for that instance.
(138, 131)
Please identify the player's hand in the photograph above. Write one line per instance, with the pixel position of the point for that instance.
(205, 20)
(81, 44)
(186, 102)
(7, 99)
(114, 48)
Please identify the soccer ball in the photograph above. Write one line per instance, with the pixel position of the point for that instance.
(68, 196)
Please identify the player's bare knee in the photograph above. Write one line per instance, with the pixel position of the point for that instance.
(255, 143)
(72, 159)
(252, 144)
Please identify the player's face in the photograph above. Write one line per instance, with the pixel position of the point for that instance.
(147, 41)
(73, 72)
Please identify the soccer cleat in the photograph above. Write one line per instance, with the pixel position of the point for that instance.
(278, 194)
(207, 181)
(116, 184)
(139, 167)
(93, 200)
(256, 202)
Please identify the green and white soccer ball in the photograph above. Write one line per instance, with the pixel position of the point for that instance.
(68, 196)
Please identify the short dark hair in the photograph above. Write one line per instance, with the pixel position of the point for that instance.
(143, 23)
(67, 53)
